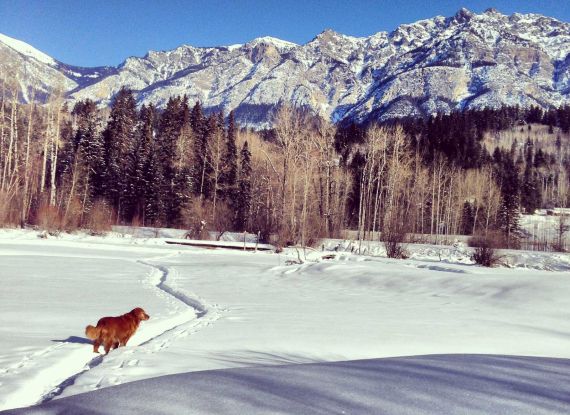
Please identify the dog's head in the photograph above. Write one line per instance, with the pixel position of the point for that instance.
(140, 314)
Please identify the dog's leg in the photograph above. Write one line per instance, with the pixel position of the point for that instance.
(107, 347)
(96, 344)
(126, 340)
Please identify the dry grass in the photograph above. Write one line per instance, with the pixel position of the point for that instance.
(100, 218)
(10, 209)
(196, 219)
(49, 218)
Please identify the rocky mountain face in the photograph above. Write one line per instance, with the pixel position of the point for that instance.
(36, 75)
(440, 64)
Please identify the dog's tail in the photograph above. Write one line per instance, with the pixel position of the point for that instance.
(92, 332)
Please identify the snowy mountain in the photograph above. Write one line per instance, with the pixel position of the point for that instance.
(465, 61)
(33, 72)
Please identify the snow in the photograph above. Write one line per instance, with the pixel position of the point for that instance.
(458, 253)
(138, 232)
(437, 62)
(544, 227)
(234, 46)
(262, 312)
(27, 50)
(279, 43)
(458, 384)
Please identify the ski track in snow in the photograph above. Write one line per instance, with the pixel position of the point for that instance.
(54, 380)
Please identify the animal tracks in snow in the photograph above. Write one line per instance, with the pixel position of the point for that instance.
(56, 368)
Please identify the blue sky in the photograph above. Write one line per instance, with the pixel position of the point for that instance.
(91, 33)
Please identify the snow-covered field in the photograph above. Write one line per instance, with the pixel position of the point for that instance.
(219, 309)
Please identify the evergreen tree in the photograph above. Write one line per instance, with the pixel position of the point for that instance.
(197, 119)
(203, 130)
(89, 150)
(530, 190)
(230, 168)
(540, 159)
(243, 196)
(148, 173)
(509, 213)
(175, 175)
(468, 218)
(120, 139)
(154, 209)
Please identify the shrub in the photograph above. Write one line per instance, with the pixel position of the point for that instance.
(100, 218)
(486, 256)
(485, 252)
(491, 239)
(71, 217)
(196, 218)
(49, 218)
(10, 208)
(394, 235)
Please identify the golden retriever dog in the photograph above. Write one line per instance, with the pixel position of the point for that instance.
(112, 332)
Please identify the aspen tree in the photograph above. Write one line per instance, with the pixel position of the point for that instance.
(55, 149)
(288, 125)
(27, 170)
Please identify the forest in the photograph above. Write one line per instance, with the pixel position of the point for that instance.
(64, 167)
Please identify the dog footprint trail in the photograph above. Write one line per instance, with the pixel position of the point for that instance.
(45, 370)
(159, 277)
(28, 360)
(205, 313)
(152, 337)
(57, 369)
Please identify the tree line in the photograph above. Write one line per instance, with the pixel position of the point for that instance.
(181, 166)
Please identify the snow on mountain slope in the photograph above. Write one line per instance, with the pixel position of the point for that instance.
(441, 64)
(30, 72)
(27, 50)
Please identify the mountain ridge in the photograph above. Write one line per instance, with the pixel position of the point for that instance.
(439, 64)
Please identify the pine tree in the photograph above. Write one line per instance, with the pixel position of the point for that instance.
(468, 218)
(154, 209)
(216, 152)
(243, 197)
(88, 148)
(203, 131)
(509, 213)
(540, 159)
(173, 138)
(530, 188)
(229, 173)
(148, 174)
(168, 133)
(120, 139)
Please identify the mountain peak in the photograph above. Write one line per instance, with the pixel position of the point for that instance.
(326, 35)
(492, 10)
(420, 68)
(270, 40)
(27, 50)
(328, 32)
(463, 15)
